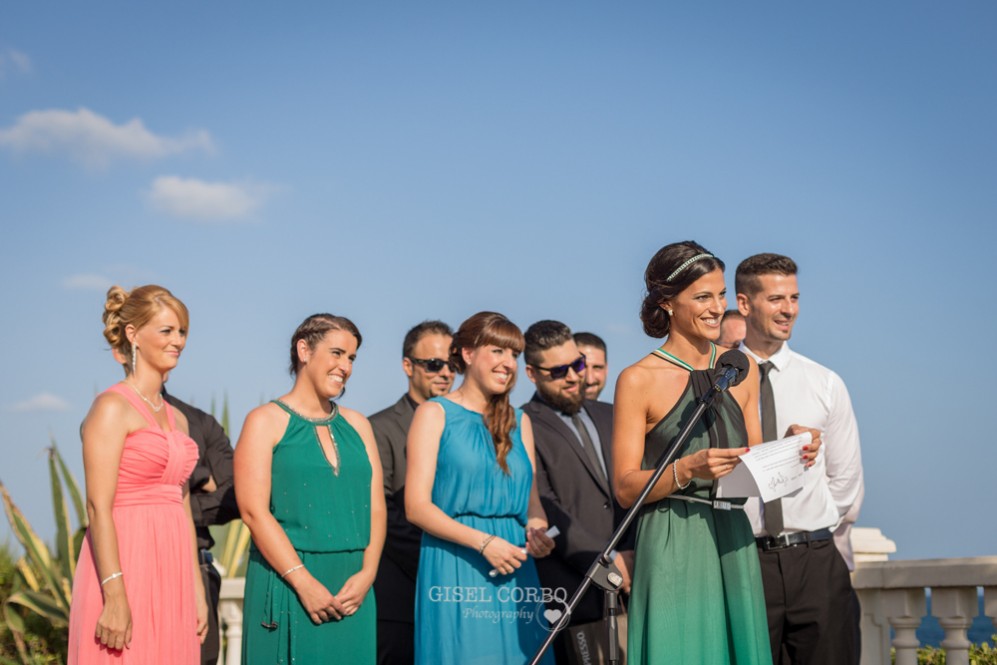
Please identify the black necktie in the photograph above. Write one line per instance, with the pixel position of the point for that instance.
(589, 446)
(773, 509)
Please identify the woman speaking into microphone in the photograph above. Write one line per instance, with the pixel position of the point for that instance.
(697, 594)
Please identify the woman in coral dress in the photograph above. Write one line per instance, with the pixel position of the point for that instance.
(137, 593)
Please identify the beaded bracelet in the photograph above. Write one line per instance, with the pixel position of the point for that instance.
(675, 475)
(484, 543)
(112, 576)
(291, 570)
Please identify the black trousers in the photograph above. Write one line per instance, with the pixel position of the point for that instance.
(813, 611)
(212, 590)
(395, 643)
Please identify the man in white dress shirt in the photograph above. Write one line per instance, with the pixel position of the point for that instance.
(813, 611)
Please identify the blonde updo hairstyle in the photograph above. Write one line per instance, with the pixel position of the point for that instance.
(136, 308)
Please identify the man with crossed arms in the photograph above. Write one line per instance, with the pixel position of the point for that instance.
(813, 611)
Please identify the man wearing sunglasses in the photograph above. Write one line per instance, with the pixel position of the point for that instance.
(426, 363)
(574, 464)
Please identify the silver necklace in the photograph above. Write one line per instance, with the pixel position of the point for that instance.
(155, 409)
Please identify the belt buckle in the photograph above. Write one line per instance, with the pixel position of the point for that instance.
(780, 542)
(721, 505)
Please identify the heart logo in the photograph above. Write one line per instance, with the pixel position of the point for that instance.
(552, 615)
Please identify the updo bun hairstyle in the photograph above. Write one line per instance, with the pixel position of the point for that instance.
(669, 272)
(136, 308)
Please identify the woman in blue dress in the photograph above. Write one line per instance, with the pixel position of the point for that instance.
(470, 487)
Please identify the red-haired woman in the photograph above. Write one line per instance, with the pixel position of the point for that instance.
(470, 488)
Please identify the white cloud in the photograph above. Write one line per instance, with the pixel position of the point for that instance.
(40, 402)
(208, 201)
(87, 282)
(12, 60)
(93, 139)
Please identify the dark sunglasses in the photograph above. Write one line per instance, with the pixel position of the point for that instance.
(561, 371)
(433, 365)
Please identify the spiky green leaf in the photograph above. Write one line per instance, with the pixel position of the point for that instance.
(42, 604)
(75, 496)
(37, 551)
(225, 416)
(28, 577)
(13, 618)
(63, 529)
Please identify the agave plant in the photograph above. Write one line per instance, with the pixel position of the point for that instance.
(234, 547)
(234, 539)
(43, 585)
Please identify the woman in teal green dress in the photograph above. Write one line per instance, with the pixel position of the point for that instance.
(470, 487)
(696, 595)
(308, 482)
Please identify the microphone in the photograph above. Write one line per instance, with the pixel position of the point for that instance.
(732, 368)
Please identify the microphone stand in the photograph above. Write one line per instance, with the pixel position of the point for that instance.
(603, 573)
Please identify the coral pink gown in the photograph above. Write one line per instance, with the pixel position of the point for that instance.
(156, 552)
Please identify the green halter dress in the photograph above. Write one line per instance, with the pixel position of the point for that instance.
(697, 591)
(325, 512)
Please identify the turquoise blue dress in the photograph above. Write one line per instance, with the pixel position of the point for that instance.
(463, 615)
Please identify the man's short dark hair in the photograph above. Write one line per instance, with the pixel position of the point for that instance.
(749, 270)
(413, 336)
(731, 314)
(591, 339)
(544, 335)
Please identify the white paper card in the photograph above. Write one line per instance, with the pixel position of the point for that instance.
(770, 470)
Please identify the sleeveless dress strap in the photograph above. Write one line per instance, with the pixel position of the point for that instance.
(137, 403)
(314, 421)
(171, 416)
(675, 360)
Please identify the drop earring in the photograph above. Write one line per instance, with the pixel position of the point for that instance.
(134, 355)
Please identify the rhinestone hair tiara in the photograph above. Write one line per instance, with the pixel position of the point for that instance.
(688, 263)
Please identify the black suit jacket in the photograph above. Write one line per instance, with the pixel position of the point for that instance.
(395, 582)
(215, 461)
(575, 498)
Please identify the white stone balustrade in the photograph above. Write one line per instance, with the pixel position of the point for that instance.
(230, 619)
(892, 594)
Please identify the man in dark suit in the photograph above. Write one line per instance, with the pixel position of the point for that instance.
(573, 439)
(426, 363)
(212, 502)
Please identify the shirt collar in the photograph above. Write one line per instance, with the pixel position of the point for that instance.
(780, 359)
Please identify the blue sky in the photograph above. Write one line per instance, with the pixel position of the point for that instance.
(394, 162)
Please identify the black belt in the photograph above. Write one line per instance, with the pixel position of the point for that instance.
(789, 539)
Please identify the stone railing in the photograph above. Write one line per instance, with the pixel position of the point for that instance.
(230, 618)
(892, 594)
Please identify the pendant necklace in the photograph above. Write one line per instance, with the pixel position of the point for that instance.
(155, 409)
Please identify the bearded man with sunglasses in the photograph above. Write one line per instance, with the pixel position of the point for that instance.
(426, 363)
(573, 437)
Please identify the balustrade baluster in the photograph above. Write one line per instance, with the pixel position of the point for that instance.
(905, 607)
(955, 608)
